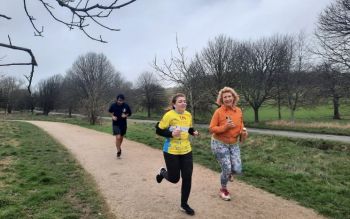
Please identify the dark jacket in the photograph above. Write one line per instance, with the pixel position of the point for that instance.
(117, 111)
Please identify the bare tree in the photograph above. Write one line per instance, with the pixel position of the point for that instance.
(297, 79)
(8, 88)
(260, 62)
(152, 93)
(299, 87)
(94, 77)
(332, 84)
(68, 98)
(333, 33)
(200, 83)
(218, 61)
(48, 93)
(179, 71)
(83, 13)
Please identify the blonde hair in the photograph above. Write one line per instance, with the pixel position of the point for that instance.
(219, 100)
(173, 100)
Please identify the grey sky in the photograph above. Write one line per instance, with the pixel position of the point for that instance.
(149, 29)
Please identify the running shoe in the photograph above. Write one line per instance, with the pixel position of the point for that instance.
(224, 194)
(187, 209)
(160, 175)
(119, 153)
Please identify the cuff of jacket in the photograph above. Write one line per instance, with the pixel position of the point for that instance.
(163, 132)
(191, 131)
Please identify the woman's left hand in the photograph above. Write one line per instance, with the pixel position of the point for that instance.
(196, 133)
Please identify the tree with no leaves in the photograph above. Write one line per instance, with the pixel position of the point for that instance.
(333, 33)
(183, 72)
(94, 78)
(217, 59)
(332, 84)
(49, 91)
(151, 93)
(259, 65)
(8, 87)
(83, 14)
(297, 82)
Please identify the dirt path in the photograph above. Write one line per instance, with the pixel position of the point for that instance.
(129, 185)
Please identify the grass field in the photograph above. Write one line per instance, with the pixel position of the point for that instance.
(314, 173)
(313, 120)
(40, 179)
(322, 113)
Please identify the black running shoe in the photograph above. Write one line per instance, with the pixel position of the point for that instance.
(187, 209)
(160, 175)
(119, 153)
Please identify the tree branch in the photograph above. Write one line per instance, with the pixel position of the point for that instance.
(83, 15)
(31, 19)
(4, 16)
(32, 63)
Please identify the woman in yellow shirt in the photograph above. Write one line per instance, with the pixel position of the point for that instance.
(227, 127)
(176, 126)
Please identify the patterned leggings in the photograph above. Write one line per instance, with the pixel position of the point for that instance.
(229, 158)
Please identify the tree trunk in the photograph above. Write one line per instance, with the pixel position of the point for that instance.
(256, 115)
(70, 112)
(32, 105)
(9, 109)
(292, 114)
(191, 101)
(45, 112)
(336, 114)
(279, 103)
(92, 120)
(148, 111)
(279, 108)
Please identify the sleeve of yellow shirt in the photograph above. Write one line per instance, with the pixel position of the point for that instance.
(165, 121)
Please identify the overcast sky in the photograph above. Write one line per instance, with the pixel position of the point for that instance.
(149, 29)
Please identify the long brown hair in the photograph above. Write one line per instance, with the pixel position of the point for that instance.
(173, 101)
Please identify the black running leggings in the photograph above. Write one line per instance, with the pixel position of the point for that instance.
(175, 165)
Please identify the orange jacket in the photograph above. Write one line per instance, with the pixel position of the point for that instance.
(219, 120)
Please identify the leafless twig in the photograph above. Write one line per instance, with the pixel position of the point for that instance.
(32, 63)
(83, 14)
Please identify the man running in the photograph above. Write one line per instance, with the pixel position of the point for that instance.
(120, 111)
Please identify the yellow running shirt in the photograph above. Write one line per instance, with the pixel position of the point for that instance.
(171, 120)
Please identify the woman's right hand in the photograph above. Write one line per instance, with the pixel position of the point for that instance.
(176, 132)
(229, 125)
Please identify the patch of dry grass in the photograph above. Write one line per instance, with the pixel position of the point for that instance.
(299, 124)
(4, 163)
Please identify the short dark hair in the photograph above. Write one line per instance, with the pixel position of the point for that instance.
(120, 96)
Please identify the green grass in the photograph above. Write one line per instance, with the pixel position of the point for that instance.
(312, 120)
(40, 179)
(322, 113)
(335, 128)
(314, 173)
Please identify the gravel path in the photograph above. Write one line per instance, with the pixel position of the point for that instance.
(130, 189)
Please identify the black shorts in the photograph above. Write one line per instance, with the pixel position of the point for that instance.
(119, 130)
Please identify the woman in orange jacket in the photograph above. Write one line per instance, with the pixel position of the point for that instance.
(228, 131)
